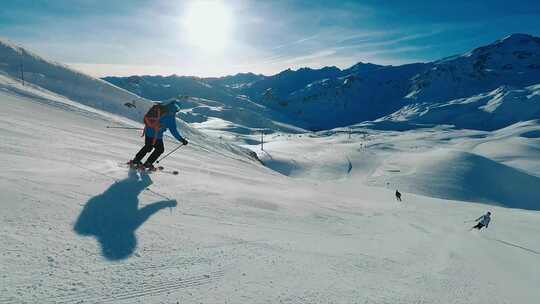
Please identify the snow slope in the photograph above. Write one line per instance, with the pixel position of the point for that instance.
(77, 228)
(489, 111)
(239, 118)
(47, 80)
(442, 162)
(62, 80)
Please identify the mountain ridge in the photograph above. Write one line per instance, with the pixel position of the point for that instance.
(330, 97)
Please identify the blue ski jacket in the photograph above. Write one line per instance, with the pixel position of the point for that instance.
(168, 121)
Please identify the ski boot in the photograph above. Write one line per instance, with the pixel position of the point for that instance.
(149, 167)
(133, 164)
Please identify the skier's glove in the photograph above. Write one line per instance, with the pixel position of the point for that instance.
(184, 141)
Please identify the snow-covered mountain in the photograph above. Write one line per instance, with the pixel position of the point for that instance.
(497, 109)
(285, 83)
(237, 81)
(371, 93)
(345, 100)
(166, 87)
(512, 61)
(329, 97)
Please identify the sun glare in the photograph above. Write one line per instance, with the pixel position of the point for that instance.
(208, 25)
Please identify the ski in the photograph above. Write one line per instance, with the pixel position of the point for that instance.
(141, 169)
(163, 170)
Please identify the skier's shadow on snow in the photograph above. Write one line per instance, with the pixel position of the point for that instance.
(113, 216)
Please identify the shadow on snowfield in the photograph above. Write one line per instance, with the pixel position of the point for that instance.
(113, 216)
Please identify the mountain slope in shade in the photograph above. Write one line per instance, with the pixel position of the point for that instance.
(349, 99)
(237, 81)
(288, 81)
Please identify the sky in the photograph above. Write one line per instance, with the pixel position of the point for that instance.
(217, 38)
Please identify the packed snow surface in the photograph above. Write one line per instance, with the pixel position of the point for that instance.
(77, 227)
(312, 220)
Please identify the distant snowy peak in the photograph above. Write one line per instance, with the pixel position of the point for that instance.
(511, 43)
(515, 53)
(236, 81)
(288, 81)
(514, 60)
(362, 67)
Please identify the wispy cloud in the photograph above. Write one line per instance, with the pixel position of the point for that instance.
(366, 35)
(303, 58)
(326, 46)
(299, 41)
(397, 40)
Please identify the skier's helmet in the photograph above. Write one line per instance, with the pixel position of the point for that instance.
(489, 213)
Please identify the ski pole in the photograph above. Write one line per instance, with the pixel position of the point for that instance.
(129, 128)
(180, 146)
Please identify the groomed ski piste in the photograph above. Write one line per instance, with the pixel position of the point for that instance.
(317, 224)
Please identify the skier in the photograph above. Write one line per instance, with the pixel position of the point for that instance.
(398, 196)
(158, 119)
(483, 221)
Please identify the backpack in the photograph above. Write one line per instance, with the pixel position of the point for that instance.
(151, 119)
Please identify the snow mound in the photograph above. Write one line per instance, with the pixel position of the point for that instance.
(463, 176)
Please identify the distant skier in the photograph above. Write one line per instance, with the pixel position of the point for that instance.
(483, 221)
(158, 119)
(398, 196)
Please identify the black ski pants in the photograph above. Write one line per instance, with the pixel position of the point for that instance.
(149, 145)
(478, 226)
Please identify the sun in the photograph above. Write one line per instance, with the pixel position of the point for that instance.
(208, 25)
